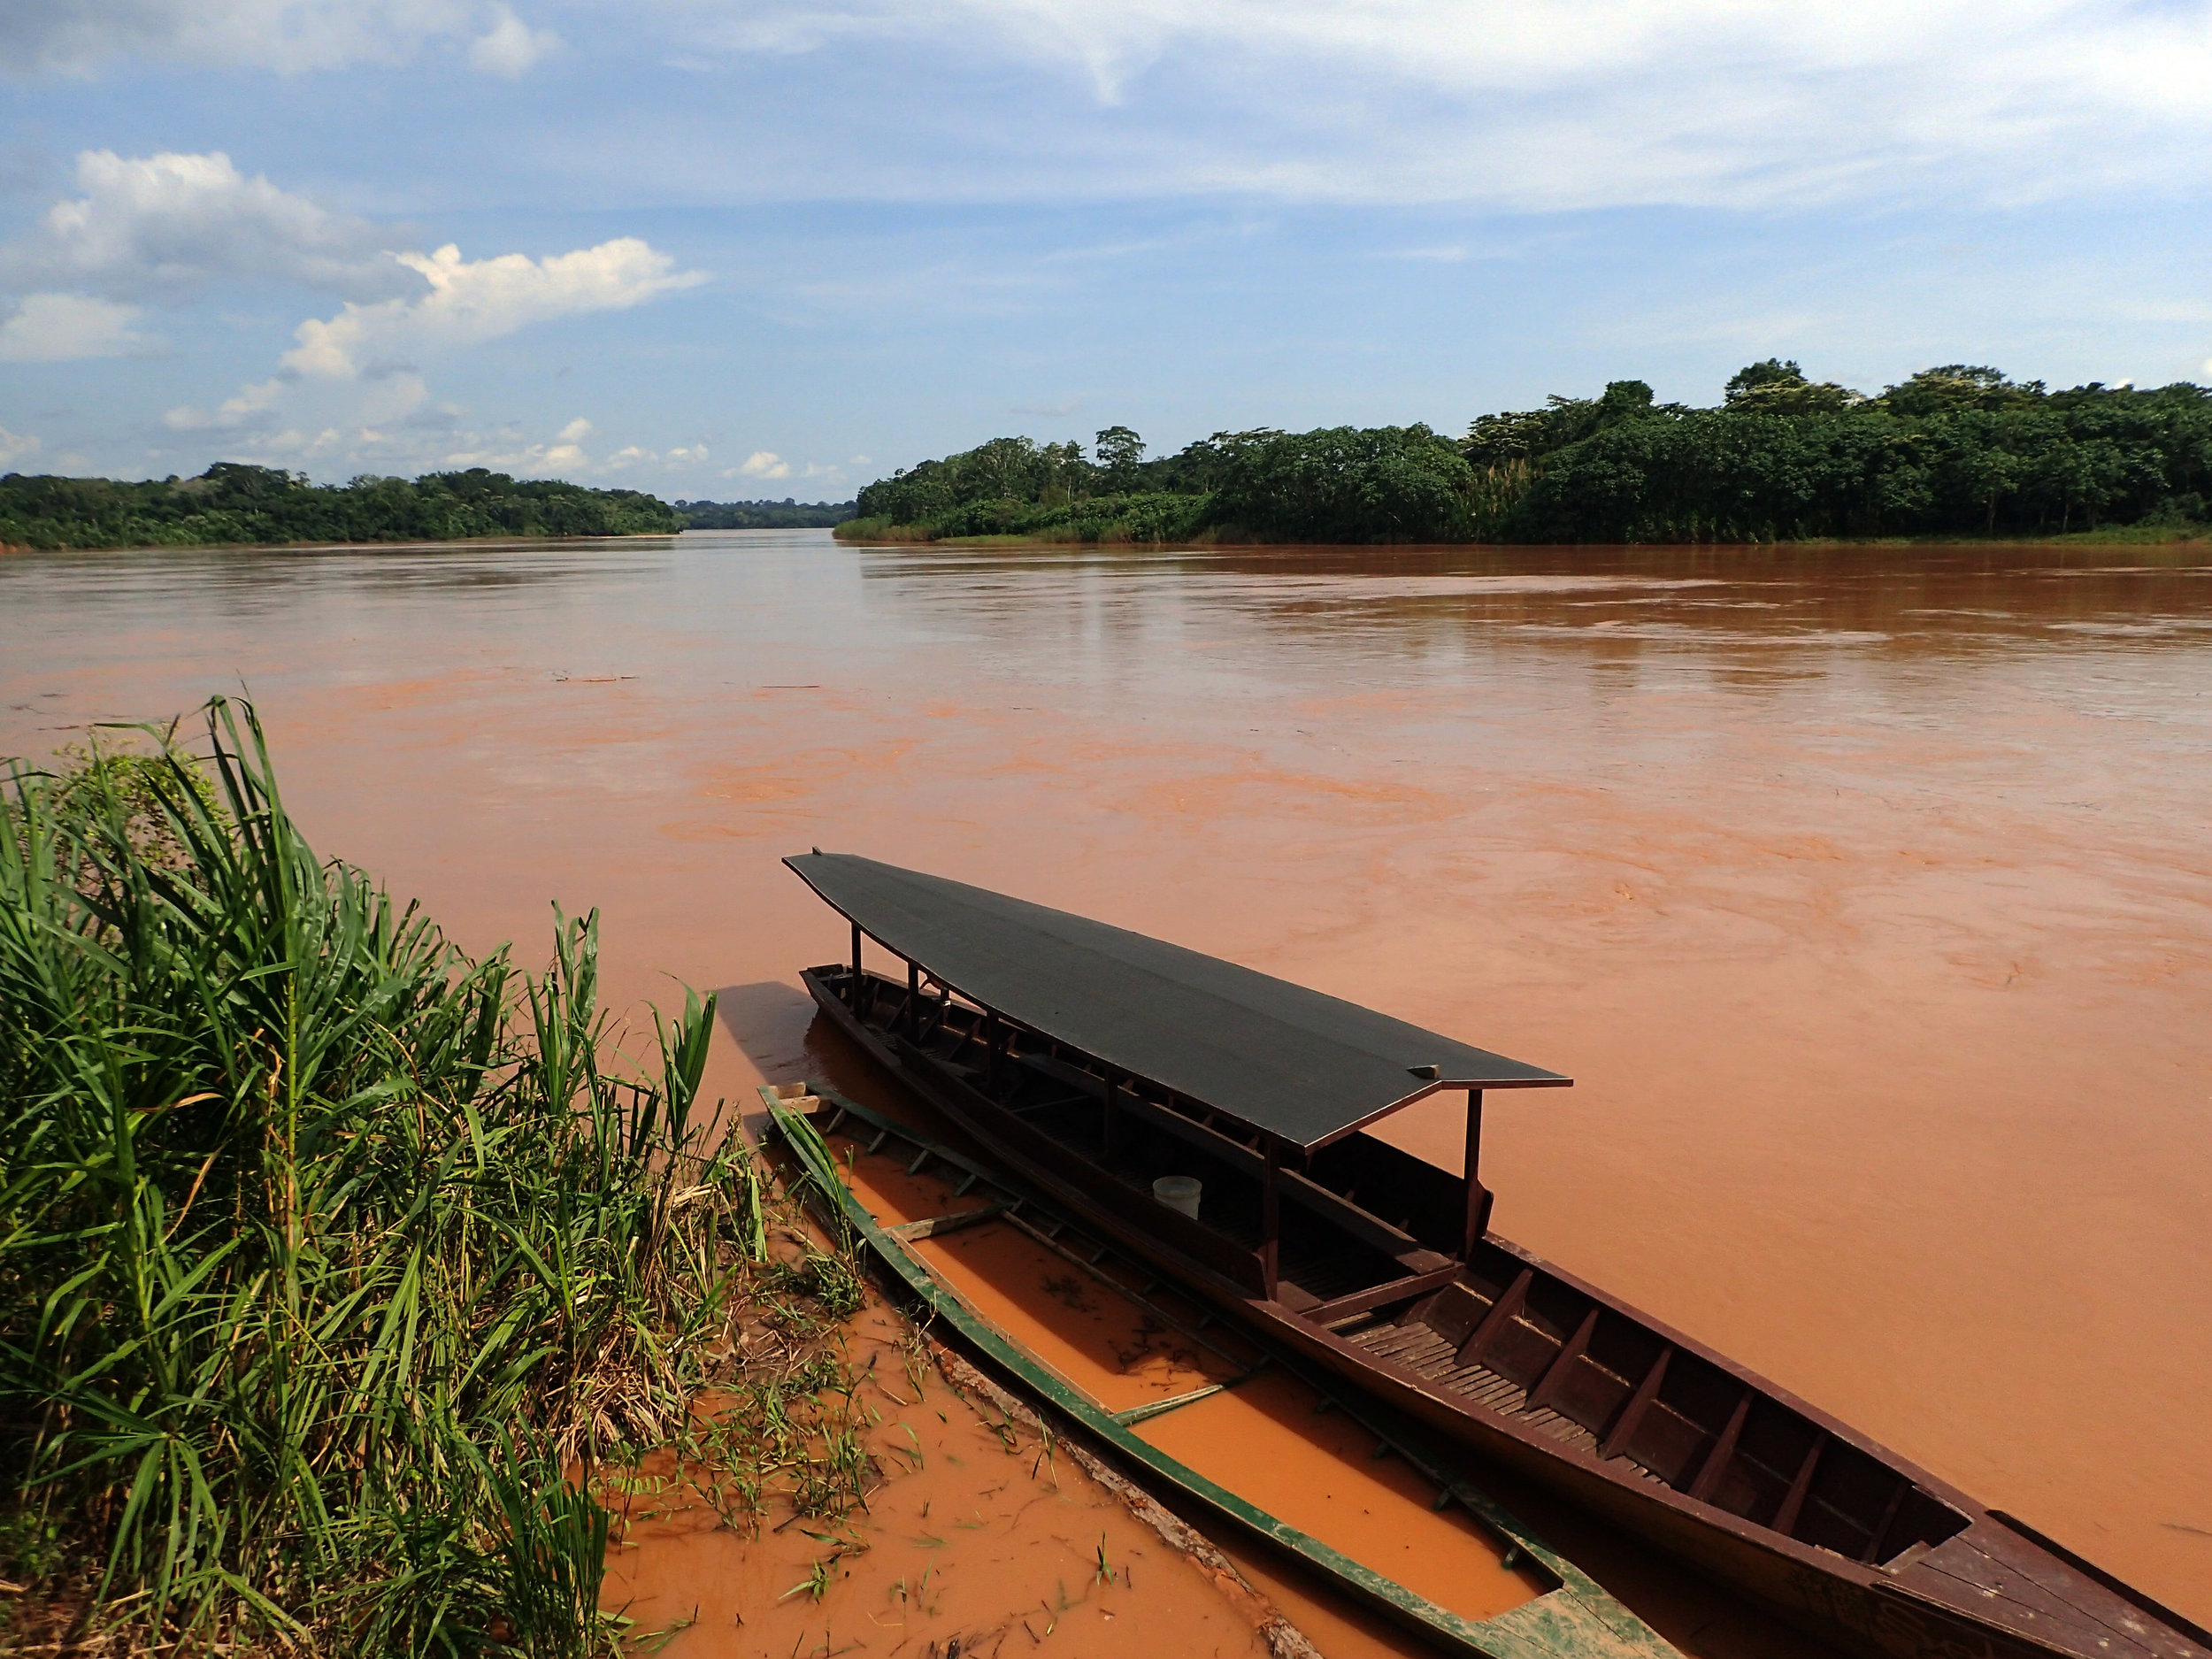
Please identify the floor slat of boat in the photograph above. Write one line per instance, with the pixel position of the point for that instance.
(1432, 1358)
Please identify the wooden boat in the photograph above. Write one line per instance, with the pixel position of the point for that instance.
(1093, 1061)
(1567, 1616)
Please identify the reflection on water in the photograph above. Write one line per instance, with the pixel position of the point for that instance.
(1865, 892)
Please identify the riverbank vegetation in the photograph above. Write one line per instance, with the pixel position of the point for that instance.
(232, 503)
(763, 515)
(1961, 450)
(337, 1267)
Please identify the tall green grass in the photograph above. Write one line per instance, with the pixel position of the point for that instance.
(331, 1260)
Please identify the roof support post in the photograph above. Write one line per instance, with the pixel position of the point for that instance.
(913, 998)
(990, 1046)
(855, 967)
(1478, 1195)
(1110, 1123)
(1271, 1220)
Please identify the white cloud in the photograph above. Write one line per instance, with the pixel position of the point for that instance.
(329, 438)
(160, 224)
(345, 372)
(566, 455)
(60, 327)
(16, 447)
(233, 411)
(632, 458)
(512, 47)
(470, 302)
(76, 36)
(760, 463)
(1541, 103)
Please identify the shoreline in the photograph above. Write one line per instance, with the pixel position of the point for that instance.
(2120, 535)
(7, 547)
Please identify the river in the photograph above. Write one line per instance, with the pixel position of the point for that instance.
(1866, 893)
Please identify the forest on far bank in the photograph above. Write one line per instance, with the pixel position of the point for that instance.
(232, 503)
(763, 515)
(1960, 450)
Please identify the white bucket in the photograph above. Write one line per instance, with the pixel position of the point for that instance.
(1178, 1192)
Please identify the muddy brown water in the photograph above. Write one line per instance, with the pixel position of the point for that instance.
(1865, 893)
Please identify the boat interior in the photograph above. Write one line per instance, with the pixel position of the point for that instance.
(1370, 1249)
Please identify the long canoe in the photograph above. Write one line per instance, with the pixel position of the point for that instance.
(1091, 1061)
(1570, 1617)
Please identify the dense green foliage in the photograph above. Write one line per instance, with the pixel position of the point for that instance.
(1957, 450)
(326, 1252)
(1347, 484)
(763, 515)
(1386, 484)
(232, 503)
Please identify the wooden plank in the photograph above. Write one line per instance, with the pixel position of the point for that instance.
(1395, 1346)
(2097, 1575)
(1160, 1408)
(1375, 1295)
(1724, 1448)
(1623, 1429)
(1793, 1502)
(1555, 1377)
(1873, 1551)
(1509, 1303)
(935, 1226)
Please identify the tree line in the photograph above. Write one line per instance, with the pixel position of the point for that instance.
(764, 515)
(233, 503)
(1963, 450)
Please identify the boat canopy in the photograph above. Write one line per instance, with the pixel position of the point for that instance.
(1300, 1067)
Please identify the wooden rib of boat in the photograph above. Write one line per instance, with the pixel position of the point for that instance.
(1091, 1061)
(1569, 1617)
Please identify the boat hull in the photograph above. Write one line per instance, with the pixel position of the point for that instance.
(1902, 1610)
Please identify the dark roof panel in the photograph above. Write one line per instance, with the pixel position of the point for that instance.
(1302, 1066)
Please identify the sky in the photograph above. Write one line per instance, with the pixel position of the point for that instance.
(719, 249)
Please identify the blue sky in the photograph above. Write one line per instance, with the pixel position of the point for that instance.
(731, 249)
